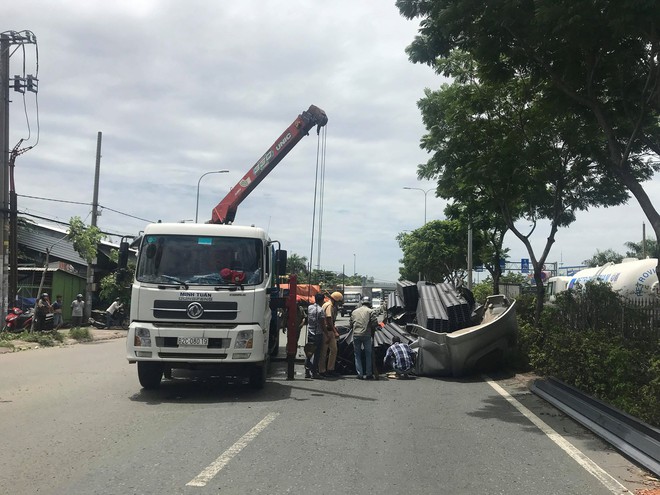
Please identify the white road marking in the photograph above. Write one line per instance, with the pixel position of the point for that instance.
(214, 468)
(578, 456)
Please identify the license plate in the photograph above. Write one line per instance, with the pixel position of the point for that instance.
(184, 341)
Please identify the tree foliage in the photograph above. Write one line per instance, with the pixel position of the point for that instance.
(502, 149)
(297, 265)
(437, 251)
(112, 289)
(327, 279)
(85, 239)
(596, 60)
(636, 249)
(603, 257)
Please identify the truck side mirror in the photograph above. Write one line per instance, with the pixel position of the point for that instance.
(122, 261)
(280, 261)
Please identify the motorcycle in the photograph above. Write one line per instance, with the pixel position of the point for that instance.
(99, 319)
(18, 320)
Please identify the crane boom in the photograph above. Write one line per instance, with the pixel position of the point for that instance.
(225, 211)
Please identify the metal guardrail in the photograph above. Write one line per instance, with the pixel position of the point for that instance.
(634, 438)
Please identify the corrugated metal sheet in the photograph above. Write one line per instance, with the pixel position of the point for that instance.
(458, 308)
(431, 313)
(40, 239)
(407, 291)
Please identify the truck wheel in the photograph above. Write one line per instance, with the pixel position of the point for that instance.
(258, 375)
(149, 374)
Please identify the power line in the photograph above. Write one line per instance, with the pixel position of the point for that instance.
(85, 204)
(54, 200)
(126, 214)
(60, 222)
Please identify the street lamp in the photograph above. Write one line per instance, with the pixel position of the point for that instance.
(425, 193)
(200, 180)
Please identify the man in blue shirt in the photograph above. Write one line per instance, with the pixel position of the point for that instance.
(400, 357)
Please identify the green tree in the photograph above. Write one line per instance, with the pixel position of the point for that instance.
(602, 257)
(504, 149)
(111, 289)
(636, 249)
(297, 265)
(85, 239)
(437, 251)
(489, 228)
(596, 59)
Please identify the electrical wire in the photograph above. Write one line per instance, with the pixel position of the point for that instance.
(321, 199)
(54, 200)
(85, 204)
(59, 222)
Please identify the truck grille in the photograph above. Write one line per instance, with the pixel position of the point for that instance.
(195, 310)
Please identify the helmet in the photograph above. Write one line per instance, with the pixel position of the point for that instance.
(366, 300)
(79, 295)
(337, 296)
(44, 294)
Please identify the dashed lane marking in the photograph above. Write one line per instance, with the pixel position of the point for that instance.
(214, 468)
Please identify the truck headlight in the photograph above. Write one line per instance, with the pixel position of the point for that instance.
(142, 337)
(244, 339)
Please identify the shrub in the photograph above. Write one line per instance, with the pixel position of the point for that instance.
(80, 334)
(591, 340)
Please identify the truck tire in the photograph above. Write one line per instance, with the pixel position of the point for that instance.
(258, 375)
(149, 374)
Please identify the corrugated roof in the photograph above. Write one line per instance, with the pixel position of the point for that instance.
(41, 237)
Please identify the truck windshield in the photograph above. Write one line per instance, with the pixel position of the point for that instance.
(352, 298)
(198, 260)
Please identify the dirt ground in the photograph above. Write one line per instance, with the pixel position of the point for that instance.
(95, 333)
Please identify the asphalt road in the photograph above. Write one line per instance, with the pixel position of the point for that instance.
(75, 421)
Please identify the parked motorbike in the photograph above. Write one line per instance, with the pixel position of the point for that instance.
(18, 320)
(99, 319)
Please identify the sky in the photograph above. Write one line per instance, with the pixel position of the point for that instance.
(179, 89)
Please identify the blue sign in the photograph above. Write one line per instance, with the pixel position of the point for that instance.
(524, 265)
(502, 264)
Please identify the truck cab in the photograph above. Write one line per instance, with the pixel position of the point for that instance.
(201, 299)
(352, 301)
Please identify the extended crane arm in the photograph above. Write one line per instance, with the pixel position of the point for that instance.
(225, 211)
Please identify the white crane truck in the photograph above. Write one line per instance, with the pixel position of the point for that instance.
(203, 294)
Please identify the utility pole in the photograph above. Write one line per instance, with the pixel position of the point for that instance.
(95, 206)
(20, 85)
(4, 173)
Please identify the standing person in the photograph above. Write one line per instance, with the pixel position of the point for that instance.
(110, 313)
(400, 357)
(315, 328)
(77, 307)
(330, 335)
(363, 321)
(42, 308)
(57, 313)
